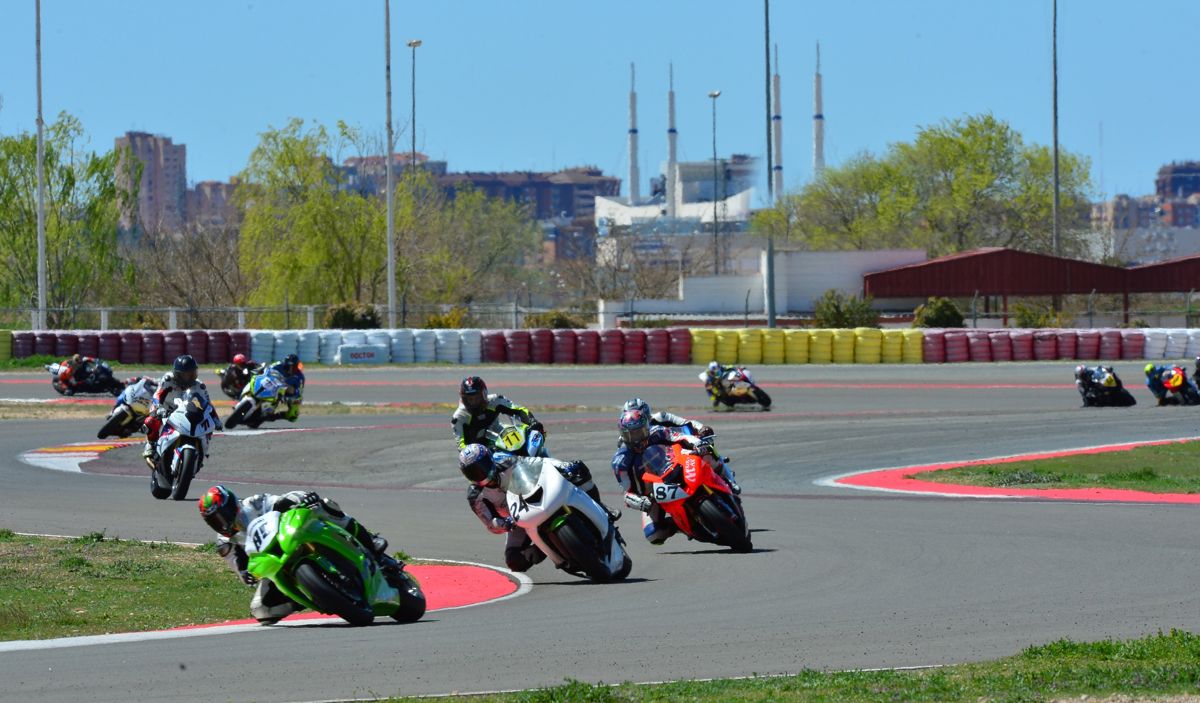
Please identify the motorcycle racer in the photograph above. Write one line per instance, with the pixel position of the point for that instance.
(73, 373)
(228, 517)
(712, 379)
(478, 411)
(663, 418)
(489, 475)
(636, 434)
(183, 376)
(137, 388)
(234, 376)
(293, 374)
(1156, 377)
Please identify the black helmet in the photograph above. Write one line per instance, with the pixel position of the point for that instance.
(220, 509)
(475, 462)
(473, 393)
(186, 371)
(292, 362)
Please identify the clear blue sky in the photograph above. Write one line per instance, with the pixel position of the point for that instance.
(542, 84)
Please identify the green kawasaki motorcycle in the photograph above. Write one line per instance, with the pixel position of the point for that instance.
(321, 567)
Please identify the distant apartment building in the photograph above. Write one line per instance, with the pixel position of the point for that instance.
(162, 189)
(1148, 228)
(368, 174)
(210, 203)
(568, 194)
(1178, 180)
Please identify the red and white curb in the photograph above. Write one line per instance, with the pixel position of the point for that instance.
(900, 479)
(71, 457)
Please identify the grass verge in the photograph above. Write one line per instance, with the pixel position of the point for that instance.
(95, 585)
(1168, 468)
(1159, 667)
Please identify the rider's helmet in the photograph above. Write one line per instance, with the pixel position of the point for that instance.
(473, 393)
(636, 404)
(240, 360)
(475, 462)
(291, 364)
(1081, 373)
(713, 369)
(221, 510)
(1149, 369)
(76, 358)
(185, 371)
(635, 429)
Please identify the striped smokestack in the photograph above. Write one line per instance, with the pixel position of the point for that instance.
(671, 136)
(818, 121)
(634, 176)
(777, 131)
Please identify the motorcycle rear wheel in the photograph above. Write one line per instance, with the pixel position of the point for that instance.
(581, 549)
(412, 600)
(729, 528)
(329, 598)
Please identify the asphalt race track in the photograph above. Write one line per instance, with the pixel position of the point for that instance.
(840, 579)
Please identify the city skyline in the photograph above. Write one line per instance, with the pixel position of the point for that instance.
(557, 97)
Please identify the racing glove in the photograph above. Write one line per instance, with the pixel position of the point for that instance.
(535, 425)
(309, 500)
(637, 502)
(247, 578)
(501, 525)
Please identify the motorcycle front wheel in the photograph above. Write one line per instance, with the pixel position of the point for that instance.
(727, 524)
(188, 464)
(329, 596)
(761, 396)
(581, 549)
(115, 425)
(412, 600)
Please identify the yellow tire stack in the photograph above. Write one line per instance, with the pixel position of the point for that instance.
(704, 346)
(868, 342)
(750, 345)
(5, 345)
(773, 346)
(914, 347)
(843, 346)
(820, 347)
(892, 350)
(795, 347)
(727, 346)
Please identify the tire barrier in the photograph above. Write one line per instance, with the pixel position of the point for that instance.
(727, 347)
(327, 347)
(957, 349)
(44, 343)
(354, 337)
(1177, 341)
(1002, 349)
(1089, 344)
(197, 345)
(110, 345)
(362, 354)
(979, 345)
(239, 343)
(868, 345)
(131, 348)
(470, 347)
(843, 346)
(262, 347)
(1110, 344)
(448, 347)
(587, 347)
(820, 347)
(1133, 344)
(218, 348)
(1155, 344)
(1068, 344)
(611, 343)
(22, 344)
(774, 346)
(795, 346)
(564, 346)
(891, 348)
(635, 346)
(516, 346)
(1022, 345)
(174, 344)
(381, 338)
(1193, 345)
(66, 344)
(658, 346)
(914, 347)
(1045, 345)
(425, 346)
(704, 346)
(541, 346)
(934, 346)
(750, 346)
(6, 345)
(308, 347)
(493, 347)
(153, 346)
(89, 344)
(681, 345)
(402, 351)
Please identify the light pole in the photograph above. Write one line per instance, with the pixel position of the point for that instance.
(391, 196)
(770, 266)
(412, 162)
(41, 178)
(716, 220)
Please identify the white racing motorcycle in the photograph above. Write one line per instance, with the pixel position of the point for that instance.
(567, 525)
(183, 445)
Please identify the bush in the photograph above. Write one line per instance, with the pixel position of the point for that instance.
(1032, 316)
(453, 319)
(351, 316)
(938, 312)
(555, 319)
(836, 310)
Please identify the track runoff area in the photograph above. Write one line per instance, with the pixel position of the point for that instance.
(872, 577)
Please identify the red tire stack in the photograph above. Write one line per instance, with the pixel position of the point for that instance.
(957, 347)
(1045, 345)
(1110, 344)
(1089, 345)
(89, 344)
(175, 344)
(197, 345)
(110, 345)
(612, 344)
(239, 343)
(933, 345)
(1133, 344)
(564, 346)
(45, 343)
(658, 346)
(541, 346)
(218, 347)
(516, 346)
(131, 348)
(153, 344)
(681, 346)
(635, 347)
(493, 347)
(1022, 345)
(1068, 344)
(1001, 345)
(23, 344)
(66, 344)
(587, 347)
(979, 345)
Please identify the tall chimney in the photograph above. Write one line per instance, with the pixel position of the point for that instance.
(777, 132)
(818, 121)
(634, 176)
(671, 136)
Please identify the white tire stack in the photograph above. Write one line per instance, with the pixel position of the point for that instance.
(402, 346)
(471, 346)
(424, 346)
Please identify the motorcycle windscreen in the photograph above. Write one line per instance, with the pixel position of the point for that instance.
(524, 479)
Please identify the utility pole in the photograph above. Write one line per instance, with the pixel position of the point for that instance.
(770, 267)
(41, 175)
(391, 188)
(1054, 30)
(716, 219)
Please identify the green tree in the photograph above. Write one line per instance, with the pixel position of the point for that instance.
(83, 206)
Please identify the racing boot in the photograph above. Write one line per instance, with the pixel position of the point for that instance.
(727, 474)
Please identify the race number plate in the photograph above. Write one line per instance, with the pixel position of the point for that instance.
(261, 532)
(511, 438)
(668, 492)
